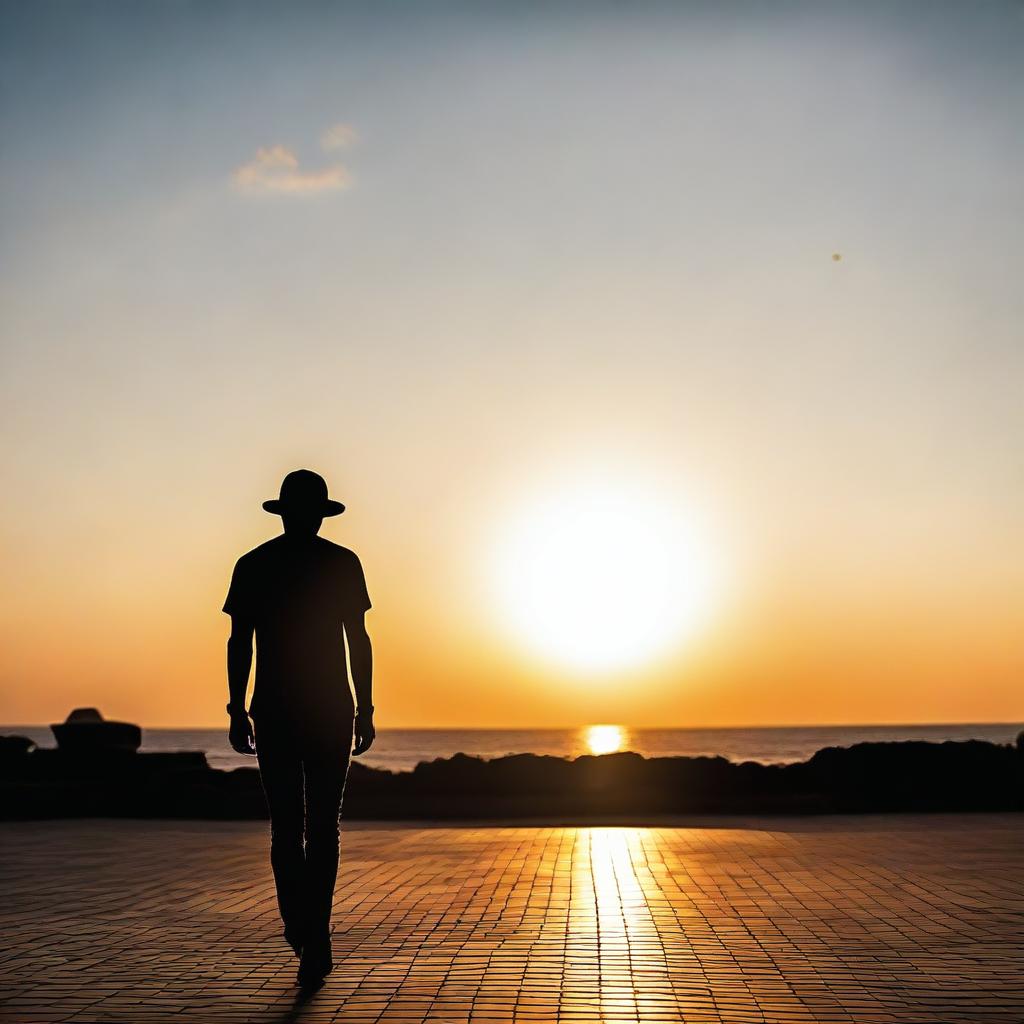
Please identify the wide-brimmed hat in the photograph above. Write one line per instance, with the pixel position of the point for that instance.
(304, 491)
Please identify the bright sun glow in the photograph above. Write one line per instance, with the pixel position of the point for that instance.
(598, 578)
(604, 739)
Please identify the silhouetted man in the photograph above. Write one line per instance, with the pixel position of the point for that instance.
(302, 596)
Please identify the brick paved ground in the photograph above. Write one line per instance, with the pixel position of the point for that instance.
(855, 919)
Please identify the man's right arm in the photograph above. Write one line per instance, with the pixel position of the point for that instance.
(239, 667)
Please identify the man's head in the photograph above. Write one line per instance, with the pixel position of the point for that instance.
(303, 503)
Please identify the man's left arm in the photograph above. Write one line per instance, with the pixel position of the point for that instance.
(361, 654)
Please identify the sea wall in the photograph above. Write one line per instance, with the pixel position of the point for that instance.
(867, 777)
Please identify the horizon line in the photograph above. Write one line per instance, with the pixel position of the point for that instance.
(585, 725)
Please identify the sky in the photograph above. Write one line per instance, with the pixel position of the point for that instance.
(756, 265)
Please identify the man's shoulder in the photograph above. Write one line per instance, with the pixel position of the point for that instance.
(261, 553)
(337, 553)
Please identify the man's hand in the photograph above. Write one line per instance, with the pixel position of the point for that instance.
(364, 733)
(240, 733)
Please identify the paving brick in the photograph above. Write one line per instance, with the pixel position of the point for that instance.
(881, 919)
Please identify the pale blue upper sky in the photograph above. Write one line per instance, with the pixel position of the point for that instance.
(564, 230)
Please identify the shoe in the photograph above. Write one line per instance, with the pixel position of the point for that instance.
(315, 964)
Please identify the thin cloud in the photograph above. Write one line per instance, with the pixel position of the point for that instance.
(338, 136)
(275, 169)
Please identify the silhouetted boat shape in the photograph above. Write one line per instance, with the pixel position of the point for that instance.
(87, 731)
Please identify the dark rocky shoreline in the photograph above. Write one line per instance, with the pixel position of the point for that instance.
(867, 777)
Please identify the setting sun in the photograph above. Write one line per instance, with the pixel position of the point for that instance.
(597, 578)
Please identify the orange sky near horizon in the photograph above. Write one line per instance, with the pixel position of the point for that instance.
(141, 634)
(459, 262)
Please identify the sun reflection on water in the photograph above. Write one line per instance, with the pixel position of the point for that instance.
(604, 739)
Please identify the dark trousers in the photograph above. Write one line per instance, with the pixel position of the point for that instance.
(303, 768)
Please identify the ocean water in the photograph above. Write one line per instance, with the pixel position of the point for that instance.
(403, 749)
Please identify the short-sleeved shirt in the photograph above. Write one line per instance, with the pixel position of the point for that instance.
(298, 593)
